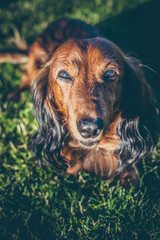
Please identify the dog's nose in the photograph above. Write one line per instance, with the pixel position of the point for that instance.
(89, 127)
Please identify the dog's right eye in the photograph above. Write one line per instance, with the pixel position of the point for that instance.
(63, 75)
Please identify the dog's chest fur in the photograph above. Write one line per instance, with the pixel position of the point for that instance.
(100, 160)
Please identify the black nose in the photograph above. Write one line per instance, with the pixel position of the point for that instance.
(89, 127)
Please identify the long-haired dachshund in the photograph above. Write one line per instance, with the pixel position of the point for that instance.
(94, 110)
(93, 104)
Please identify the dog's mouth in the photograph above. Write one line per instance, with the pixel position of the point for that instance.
(89, 143)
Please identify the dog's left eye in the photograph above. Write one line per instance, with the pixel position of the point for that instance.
(110, 74)
(65, 76)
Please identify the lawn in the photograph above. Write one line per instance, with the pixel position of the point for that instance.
(38, 202)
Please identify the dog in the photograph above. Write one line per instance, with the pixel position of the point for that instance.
(92, 102)
(94, 110)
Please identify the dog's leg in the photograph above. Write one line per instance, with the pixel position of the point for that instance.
(129, 178)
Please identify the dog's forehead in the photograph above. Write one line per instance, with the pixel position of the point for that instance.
(95, 48)
(102, 52)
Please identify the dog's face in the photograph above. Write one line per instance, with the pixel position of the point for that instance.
(86, 79)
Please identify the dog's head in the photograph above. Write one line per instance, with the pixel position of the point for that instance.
(81, 90)
(85, 79)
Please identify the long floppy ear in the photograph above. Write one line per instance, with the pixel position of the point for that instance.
(136, 93)
(49, 137)
(138, 115)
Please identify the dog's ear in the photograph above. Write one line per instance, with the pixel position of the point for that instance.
(49, 137)
(138, 116)
(136, 94)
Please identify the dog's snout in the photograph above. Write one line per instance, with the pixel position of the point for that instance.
(89, 127)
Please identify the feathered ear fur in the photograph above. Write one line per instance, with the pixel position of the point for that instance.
(49, 137)
(138, 114)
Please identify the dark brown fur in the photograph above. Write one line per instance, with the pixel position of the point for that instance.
(122, 103)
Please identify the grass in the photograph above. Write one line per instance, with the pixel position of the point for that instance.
(39, 203)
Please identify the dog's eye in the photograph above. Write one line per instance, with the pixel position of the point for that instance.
(63, 75)
(110, 75)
